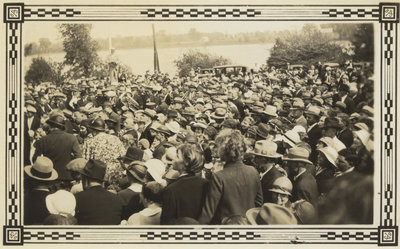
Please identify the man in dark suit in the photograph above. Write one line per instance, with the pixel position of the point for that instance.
(136, 172)
(265, 156)
(95, 205)
(314, 131)
(304, 183)
(59, 146)
(185, 196)
(344, 90)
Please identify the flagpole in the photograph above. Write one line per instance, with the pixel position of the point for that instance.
(156, 62)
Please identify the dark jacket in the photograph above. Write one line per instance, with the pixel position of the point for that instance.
(232, 191)
(97, 206)
(131, 203)
(61, 148)
(305, 187)
(35, 210)
(266, 183)
(183, 198)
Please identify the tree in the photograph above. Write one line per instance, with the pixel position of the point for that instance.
(80, 49)
(194, 59)
(306, 47)
(362, 37)
(44, 45)
(41, 70)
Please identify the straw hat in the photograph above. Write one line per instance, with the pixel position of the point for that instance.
(297, 154)
(271, 214)
(42, 169)
(265, 148)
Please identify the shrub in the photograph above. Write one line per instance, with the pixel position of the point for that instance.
(194, 59)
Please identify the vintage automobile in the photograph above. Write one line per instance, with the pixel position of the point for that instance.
(205, 72)
(229, 70)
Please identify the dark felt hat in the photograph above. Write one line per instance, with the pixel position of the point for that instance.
(94, 169)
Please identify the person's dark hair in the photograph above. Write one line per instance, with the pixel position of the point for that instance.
(234, 147)
(152, 191)
(57, 219)
(235, 220)
(193, 158)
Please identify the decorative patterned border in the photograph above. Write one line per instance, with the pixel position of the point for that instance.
(15, 14)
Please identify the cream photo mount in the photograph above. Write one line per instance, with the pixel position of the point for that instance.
(384, 233)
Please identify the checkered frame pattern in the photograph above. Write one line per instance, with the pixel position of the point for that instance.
(351, 13)
(50, 236)
(348, 236)
(50, 13)
(200, 235)
(13, 207)
(13, 41)
(13, 119)
(207, 13)
(388, 42)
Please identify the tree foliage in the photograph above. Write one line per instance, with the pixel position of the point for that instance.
(362, 37)
(80, 49)
(42, 70)
(193, 59)
(307, 47)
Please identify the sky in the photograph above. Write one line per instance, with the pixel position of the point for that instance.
(35, 30)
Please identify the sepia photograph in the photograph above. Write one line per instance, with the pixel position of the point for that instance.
(200, 124)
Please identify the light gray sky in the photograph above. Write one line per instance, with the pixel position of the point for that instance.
(33, 31)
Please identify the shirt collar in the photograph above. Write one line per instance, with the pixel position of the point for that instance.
(136, 187)
(302, 171)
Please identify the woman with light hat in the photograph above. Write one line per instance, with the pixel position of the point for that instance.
(61, 206)
(326, 168)
(281, 191)
(39, 176)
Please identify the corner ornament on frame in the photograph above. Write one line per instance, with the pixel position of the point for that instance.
(14, 16)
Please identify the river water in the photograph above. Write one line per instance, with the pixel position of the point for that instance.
(140, 60)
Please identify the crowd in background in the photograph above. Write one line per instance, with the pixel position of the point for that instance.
(269, 146)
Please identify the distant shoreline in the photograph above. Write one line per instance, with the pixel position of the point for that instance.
(161, 46)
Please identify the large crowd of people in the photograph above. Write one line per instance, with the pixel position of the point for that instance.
(266, 146)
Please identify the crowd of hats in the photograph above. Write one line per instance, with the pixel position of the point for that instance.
(272, 108)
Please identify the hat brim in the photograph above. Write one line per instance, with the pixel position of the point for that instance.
(95, 128)
(217, 117)
(280, 191)
(251, 215)
(89, 176)
(59, 125)
(54, 174)
(276, 155)
(297, 160)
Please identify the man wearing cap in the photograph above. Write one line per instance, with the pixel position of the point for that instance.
(265, 156)
(95, 205)
(59, 146)
(330, 129)
(343, 95)
(296, 113)
(297, 167)
(314, 131)
(137, 173)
